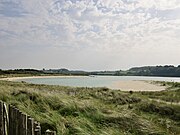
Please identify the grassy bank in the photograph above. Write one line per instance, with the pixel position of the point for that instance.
(97, 111)
(28, 75)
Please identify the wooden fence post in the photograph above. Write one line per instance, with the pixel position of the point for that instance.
(20, 123)
(48, 132)
(14, 121)
(30, 126)
(24, 124)
(1, 119)
(37, 128)
(17, 121)
(10, 120)
(6, 119)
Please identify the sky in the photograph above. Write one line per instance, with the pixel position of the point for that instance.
(89, 34)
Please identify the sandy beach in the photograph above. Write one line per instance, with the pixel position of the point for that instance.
(137, 86)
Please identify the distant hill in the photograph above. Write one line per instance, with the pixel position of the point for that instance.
(168, 70)
(65, 71)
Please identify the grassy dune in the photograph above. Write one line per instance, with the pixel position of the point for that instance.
(97, 111)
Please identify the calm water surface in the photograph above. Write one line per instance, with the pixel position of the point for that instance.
(96, 81)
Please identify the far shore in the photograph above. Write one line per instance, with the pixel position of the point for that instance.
(127, 85)
(32, 77)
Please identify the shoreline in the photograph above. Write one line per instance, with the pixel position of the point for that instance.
(38, 77)
(123, 85)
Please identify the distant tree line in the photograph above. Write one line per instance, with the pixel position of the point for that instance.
(21, 71)
(167, 70)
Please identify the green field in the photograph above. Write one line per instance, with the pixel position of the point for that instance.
(97, 111)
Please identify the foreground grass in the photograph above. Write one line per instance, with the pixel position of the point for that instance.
(96, 111)
(172, 94)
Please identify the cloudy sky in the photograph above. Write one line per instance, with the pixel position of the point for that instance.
(89, 34)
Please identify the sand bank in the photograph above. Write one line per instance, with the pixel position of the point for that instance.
(138, 86)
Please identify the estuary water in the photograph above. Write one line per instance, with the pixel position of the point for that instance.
(94, 81)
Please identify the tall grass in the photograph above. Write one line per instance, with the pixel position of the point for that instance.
(92, 111)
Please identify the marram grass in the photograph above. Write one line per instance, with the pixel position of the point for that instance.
(97, 111)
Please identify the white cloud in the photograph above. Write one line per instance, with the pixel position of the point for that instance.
(159, 4)
(105, 26)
